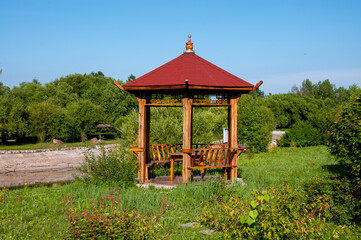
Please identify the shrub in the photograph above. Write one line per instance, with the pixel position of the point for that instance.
(302, 134)
(277, 213)
(108, 219)
(333, 199)
(255, 124)
(270, 215)
(344, 138)
(109, 165)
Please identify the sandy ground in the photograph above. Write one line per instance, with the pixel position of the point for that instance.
(18, 169)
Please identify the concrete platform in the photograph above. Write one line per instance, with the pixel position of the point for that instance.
(165, 182)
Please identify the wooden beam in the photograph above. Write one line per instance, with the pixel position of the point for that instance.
(183, 86)
(181, 104)
(187, 135)
(232, 132)
(257, 86)
(118, 85)
(143, 137)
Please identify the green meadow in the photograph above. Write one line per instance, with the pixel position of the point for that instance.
(38, 212)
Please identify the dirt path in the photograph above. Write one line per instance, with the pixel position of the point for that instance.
(18, 168)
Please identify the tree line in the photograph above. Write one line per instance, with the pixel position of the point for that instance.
(67, 108)
(70, 107)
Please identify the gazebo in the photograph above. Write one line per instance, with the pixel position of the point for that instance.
(187, 81)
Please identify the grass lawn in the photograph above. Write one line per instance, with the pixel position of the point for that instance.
(35, 212)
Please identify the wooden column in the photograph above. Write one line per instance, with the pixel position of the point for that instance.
(143, 137)
(187, 135)
(232, 132)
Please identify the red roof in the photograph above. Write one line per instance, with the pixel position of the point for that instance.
(188, 66)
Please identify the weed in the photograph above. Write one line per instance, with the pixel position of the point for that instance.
(110, 165)
(2, 195)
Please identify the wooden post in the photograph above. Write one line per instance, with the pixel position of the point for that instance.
(187, 135)
(143, 137)
(172, 169)
(232, 132)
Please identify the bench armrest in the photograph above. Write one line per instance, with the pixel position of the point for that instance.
(136, 149)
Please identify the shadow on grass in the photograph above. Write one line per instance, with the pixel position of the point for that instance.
(339, 169)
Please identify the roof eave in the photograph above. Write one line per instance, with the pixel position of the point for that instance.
(183, 86)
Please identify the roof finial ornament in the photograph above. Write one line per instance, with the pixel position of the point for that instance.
(189, 46)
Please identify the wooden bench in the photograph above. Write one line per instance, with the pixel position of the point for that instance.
(161, 154)
(213, 158)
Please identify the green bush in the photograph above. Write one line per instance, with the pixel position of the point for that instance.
(276, 213)
(108, 219)
(255, 123)
(302, 134)
(344, 138)
(334, 200)
(109, 165)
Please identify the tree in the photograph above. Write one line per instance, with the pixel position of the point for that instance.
(30, 92)
(325, 90)
(41, 116)
(208, 124)
(128, 127)
(64, 94)
(130, 78)
(255, 123)
(302, 134)
(86, 115)
(287, 109)
(81, 83)
(114, 102)
(344, 138)
(307, 88)
(13, 118)
(97, 74)
(166, 125)
(64, 127)
(4, 89)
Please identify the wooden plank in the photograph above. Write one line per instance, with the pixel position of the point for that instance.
(225, 166)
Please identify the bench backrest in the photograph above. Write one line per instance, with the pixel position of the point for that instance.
(160, 152)
(221, 157)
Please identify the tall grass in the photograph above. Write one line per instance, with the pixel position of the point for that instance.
(35, 212)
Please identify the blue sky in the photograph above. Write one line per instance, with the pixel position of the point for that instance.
(279, 42)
